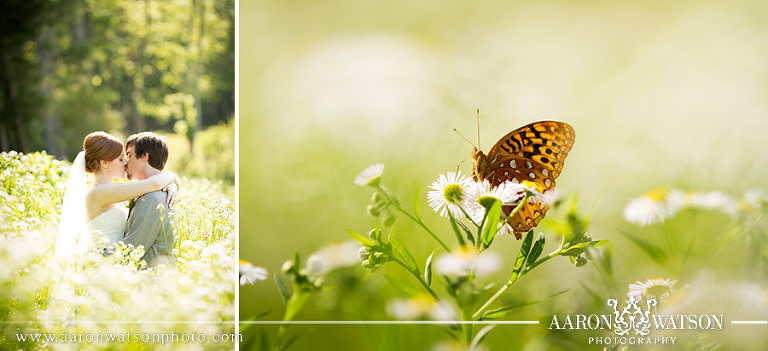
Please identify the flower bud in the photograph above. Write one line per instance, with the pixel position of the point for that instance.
(389, 219)
(374, 234)
(376, 198)
(363, 253)
(367, 264)
(288, 267)
(379, 258)
(581, 261)
(373, 211)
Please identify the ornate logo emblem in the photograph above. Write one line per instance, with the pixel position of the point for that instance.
(632, 317)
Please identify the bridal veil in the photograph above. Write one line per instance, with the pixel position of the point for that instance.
(71, 239)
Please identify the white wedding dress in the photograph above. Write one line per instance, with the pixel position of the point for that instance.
(74, 239)
(110, 223)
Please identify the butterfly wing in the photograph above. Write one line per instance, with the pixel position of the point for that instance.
(517, 169)
(545, 142)
(536, 153)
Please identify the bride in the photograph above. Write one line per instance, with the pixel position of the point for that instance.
(101, 208)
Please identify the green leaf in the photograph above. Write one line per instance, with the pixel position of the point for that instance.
(455, 226)
(359, 238)
(250, 342)
(580, 248)
(416, 209)
(258, 316)
(392, 230)
(293, 339)
(655, 252)
(536, 250)
(295, 304)
(592, 293)
(404, 289)
(405, 255)
(284, 293)
(524, 250)
(480, 336)
(491, 224)
(468, 233)
(428, 268)
(501, 312)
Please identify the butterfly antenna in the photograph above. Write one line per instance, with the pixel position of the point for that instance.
(465, 139)
(478, 127)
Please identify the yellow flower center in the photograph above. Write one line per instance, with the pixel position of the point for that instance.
(658, 194)
(453, 193)
(531, 184)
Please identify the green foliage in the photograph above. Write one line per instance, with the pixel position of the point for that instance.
(212, 155)
(31, 192)
(461, 268)
(493, 217)
(114, 65)
(62, 299)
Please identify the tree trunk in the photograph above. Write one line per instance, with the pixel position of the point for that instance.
(4, 102)
(52, 121)
(10, 113)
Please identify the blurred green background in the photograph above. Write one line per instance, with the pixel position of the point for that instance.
(661, 94)
(72, 67)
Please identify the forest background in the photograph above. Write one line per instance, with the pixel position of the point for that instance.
(71, 67)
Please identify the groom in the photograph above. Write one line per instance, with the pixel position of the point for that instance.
(149, 220)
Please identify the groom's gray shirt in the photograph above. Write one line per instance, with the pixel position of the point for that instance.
(149, 224)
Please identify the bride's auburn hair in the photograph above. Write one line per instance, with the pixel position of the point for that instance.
(100, 146)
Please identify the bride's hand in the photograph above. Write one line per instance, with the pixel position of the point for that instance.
(173, 194)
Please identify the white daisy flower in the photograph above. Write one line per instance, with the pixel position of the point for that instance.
(755, 198)
(461, 262)
(537, 192)
(482, 194)
(250, 274)
(714, 200)
(331, 257)
(370, 176)
(419, 307)
(448, 194)
(658, 289)
(549, 197)
(648, 209)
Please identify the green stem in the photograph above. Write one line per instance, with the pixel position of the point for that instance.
(517, 208)
(467, 334)
(418, 221)
(516, 275)
(480, 238)
(419, 278)
(293, 305)
(468, 216)
(512, 280)
(278, 345)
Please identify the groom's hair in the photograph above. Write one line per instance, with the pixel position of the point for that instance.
(150, 144)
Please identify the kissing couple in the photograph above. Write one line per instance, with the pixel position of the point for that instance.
(101, 208)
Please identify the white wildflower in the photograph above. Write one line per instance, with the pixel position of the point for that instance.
(370, 176)
(448, 194)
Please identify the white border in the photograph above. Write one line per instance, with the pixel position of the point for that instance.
(237, 169)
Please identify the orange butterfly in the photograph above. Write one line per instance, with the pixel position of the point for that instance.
(534, 152)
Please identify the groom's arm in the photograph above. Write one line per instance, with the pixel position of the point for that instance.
(149, 221)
